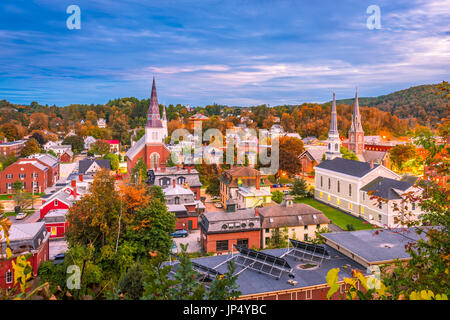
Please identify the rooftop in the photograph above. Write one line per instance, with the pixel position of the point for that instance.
(349, 167)
(386, 188)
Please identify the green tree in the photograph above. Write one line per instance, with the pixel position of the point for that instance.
(213, 188)
(132, 283)
(76, 142)
(139, 171)
(277, 196)
(157, 193)
(30, 147)
(347, 154)
(299, 188)
(279, 238)
(113, 159)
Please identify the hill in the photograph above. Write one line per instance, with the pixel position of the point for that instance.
(421, 103)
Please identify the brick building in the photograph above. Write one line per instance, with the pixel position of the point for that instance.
(25, 238)
(221, 230)
(12, 148)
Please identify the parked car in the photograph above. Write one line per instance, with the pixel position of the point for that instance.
(180, 234)
(218, 205)
(59, 259)
(21, 215)
(290, 185)
(276, 186)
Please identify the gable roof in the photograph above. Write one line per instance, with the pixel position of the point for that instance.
(85, 164)
(281, 215)
(375, 156)
(346, 166)
(315, 153)
(386, 187)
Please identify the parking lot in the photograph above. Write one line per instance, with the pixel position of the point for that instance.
(193, 239)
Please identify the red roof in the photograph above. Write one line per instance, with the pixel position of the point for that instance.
(112, 141)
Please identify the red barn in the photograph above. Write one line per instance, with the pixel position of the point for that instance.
(25, 238)
(62, 199)
(66, 157)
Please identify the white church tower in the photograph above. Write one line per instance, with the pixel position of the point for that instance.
(334, 143)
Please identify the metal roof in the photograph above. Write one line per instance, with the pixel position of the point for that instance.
(346, 166)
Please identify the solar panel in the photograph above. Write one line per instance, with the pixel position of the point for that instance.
(307, 251)
(261, 262)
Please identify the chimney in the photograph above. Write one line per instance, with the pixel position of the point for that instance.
(74, 186)
(174, 183)
(258, 181)
(80, 177)
(178, 167)
(256, 212)
(371, 164)
(189, 169)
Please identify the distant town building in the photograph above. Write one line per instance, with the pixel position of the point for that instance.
(198, 117)
(90, 166)
(66, 157)
(311, 157)
(114, 146)
(13, 148)
(101, 123)
(88, 141)
(301, 220)
(183, 203)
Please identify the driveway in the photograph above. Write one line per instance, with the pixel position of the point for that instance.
(193, 239)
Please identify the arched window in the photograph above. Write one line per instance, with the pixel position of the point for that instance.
(177, 200)
(154, 160)
(336, 147)
(181, 180)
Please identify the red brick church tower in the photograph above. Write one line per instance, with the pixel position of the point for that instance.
(356, 133)
(151, 147)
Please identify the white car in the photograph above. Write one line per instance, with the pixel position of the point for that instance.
(21, 215)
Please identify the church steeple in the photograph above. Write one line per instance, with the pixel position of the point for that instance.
(356, 133)
(334, 143)
(153, 117)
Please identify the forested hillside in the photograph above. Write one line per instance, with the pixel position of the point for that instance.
(421, 103)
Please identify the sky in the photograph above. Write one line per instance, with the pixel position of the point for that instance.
(231, 52)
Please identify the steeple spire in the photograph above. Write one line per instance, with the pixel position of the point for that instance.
(334, 143)
(356, 120)
(153, 117)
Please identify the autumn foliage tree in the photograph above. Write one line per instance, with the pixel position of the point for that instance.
(289, 152)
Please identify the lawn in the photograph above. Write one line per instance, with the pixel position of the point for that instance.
(10, 196)
(337, 217)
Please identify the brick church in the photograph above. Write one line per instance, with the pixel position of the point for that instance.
(151, 147)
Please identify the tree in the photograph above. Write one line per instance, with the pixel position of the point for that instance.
(279, 238)
(38, 137)
(277, 196)
(76, 142)
(156, 192)
(139, 171)
(10, 132)
(91, 116)
(30, 147)
(100, 147)
(299, 188)
(347, 154)
(213, 188)
(401, 153)
(113, 159)
(132, 283)
(38, 121)
(289, 152)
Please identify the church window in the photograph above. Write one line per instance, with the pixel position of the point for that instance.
(336, 147)
(181, 180)
(177, 200)
(329, 146)
(154, 160)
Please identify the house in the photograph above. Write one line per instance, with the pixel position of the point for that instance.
(51, 144)
(221, 230)
(293, 135)
(114, 146)
(310, 140)
(90, 166)
(25, 238)
(183, 175)
(60, 200)
(381, 196)
(311, 157)
(101, 123)
(60, 149)
(301, 221)
(66, 157)
(13, 148)
(88, 141)
(198, 117)
(182, 202)
(56, 223)
(244, 177)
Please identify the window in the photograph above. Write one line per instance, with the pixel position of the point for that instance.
(22, 175)
(350, 190)
(9, 276)
(379, 217)
(267, 241)
(329, 183)
(53, 231)
(339, 186)
(242, 242)
(364, 196)
(306, 227)
(308, 294)
(9, 185)
(24, 184)
(380, 205)
(56, 203)
(317, 226)
(155, 135)
(329, 146)
(350, 205)
(305, 237)
(181, 180)
(329, 197)
(321, 181)
(9, 176)
(336, 147)
(222, 245)
(321, 194)
(362, 210)
(267, 230)
(413, 206)
(177, 200)
(338, 201)
(35, 175)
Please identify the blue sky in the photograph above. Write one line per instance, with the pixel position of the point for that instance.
(234, 52)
